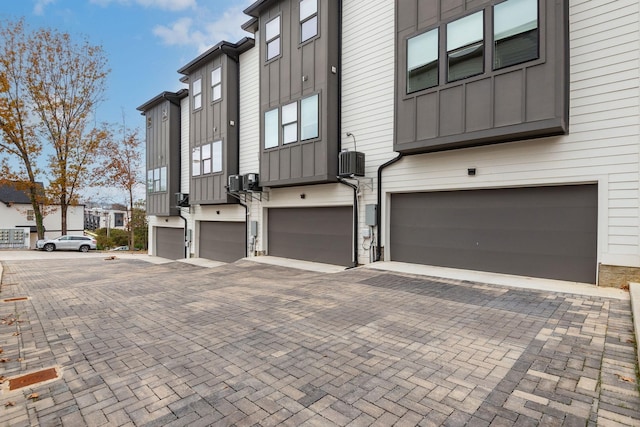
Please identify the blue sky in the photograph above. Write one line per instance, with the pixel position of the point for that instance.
(145, 41)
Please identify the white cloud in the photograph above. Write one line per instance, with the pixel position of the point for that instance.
(203, 32)
(38, 9)
(172, 5)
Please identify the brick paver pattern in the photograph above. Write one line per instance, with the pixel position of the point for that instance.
(249, 344)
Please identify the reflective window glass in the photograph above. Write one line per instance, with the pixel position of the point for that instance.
(271, 128)
(309, 117)
(422, 61)
(515, 32)
(465, 47)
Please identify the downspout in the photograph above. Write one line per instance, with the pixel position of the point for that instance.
(186, 241)
(379, 210)
(355, 220)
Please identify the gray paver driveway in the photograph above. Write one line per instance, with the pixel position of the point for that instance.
(252, 344)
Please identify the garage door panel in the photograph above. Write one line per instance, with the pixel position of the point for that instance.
(222, 241)
(546, 232)
(170, 242)
(321, 234)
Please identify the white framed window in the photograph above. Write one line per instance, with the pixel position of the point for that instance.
(290, 123)
(196, 88)
(271, 128)
(195, 161)
(205, 158)
(422, 61)
(272, 38)
(216, 84)
(216, 155)
(465, 47)
(308, 19)
(30, 215)
(515, 32)
(309, 117)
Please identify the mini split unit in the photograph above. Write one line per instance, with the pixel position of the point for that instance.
(249, 182)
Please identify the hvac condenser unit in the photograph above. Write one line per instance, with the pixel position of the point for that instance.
(251, 182)
(235, 183)
(182, 200)
(350, 163)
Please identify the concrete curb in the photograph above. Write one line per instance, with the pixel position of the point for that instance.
(634, 292)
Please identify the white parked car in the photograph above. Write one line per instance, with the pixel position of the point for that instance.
(67, 243)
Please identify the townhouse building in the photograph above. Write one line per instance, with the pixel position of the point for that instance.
(488, 135)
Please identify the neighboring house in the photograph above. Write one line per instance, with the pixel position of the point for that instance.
(488, 135)
(95, 218)
(17, 219)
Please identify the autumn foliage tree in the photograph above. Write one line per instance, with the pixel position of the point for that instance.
(50, 86)
(121, 168)
(18, 130)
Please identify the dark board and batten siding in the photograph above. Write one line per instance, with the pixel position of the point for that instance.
(522, 101)
(163, 150)
(548, 232)
(211, 123)
(281, 82)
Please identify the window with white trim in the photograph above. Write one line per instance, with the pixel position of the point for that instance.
(272, 38)
(290, 123)
(308, 19)
(216, 84)
(292, 127)
(206, 159)
(196, 88)
(271, 128)
(157, 180)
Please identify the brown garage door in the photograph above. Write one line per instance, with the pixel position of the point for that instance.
(170, 242)
(548, 232)
(222, 241)
(312, 234)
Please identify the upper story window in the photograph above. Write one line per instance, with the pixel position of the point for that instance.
(157, 180)
(272, 38)
(197, 94)
(290, 123)
(308, 19)
(515, 32)
(422, 61)
(30, 215)
(514, 36)
(465, 47)
(293, 127)
(216, 84)
(206, 159)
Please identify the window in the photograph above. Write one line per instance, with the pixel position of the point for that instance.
(150, 180)
(515, 32)
(197, 94)
(290, 123)
(272, 37)
(308, 19)
(30, 215)
(216, 84)
(157, 180)
(422, 61)
(163, 178)
(216, 152)
(309, 117)
(206, 159)
(305, 125)
(118, 219)
(465, 47)
(149, 121)
(271, 129)
(195, 161)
